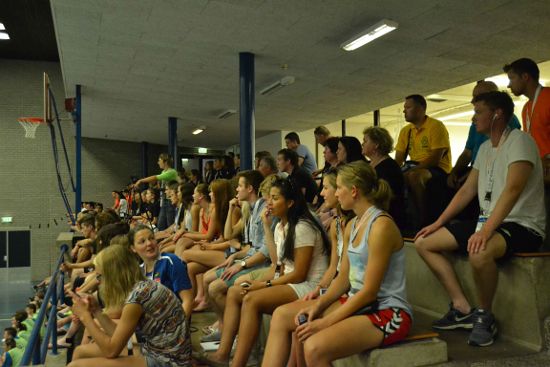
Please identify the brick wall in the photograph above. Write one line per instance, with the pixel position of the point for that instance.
(28, 184)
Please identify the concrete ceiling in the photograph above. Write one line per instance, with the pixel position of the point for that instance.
(142, 61)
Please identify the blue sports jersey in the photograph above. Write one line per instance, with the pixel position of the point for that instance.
(171, 272)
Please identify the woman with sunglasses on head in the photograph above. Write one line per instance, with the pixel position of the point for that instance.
(365, 306)
(336, 235)
(148, 309)
(302, 259)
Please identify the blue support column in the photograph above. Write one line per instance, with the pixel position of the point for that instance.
(144, 159)
(344, 127)
(78, 150)
(247, 106)
(173, 139)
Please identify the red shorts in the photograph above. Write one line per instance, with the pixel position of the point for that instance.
(395, 323)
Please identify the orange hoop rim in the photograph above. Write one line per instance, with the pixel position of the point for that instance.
(31, 120)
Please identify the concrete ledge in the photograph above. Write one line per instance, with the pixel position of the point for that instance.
(418, 353)
(522, 299)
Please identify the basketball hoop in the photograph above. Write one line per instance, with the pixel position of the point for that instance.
(30, 124)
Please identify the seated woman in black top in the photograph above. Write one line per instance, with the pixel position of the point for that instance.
(377, 144)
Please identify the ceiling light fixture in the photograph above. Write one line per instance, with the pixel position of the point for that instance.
(458, 115)
(4, 36)
(2, 27)
(225, 114)
(283, 82)
(198, 130)
(370, 34)
(202, 150)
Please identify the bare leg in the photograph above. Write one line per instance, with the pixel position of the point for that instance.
(218, 291)
(485, 270)
(231, 319)
(255, 304)
(279, 341)
(430, 248)
(334, 342)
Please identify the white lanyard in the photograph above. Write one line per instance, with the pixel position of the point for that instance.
(529, 116)
(490, 169)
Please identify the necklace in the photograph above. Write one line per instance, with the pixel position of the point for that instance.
(366, 215)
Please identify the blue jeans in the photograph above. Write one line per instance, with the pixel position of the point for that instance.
(167, 215)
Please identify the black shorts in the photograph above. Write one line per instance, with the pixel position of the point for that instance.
(517, 237)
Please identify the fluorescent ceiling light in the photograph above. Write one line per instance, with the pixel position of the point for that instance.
(184, 160)
(225, 114)
(456, 115)
(2, 27)
(203, 150)
(4, 36)
(198, 130)
(7, 219)
(458, 123)
(283, 82)
(378, 30)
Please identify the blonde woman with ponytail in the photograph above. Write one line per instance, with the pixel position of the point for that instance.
(148, 308)
(367, 300)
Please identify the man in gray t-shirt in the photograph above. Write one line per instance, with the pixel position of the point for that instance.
(306, 160)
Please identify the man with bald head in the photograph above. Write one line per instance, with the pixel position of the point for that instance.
(460, 171)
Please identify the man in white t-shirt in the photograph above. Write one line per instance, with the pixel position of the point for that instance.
(507, 178)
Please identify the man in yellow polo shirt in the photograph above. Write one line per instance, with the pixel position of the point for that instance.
(426, 141)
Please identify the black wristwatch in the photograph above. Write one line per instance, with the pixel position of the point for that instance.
(268, 283)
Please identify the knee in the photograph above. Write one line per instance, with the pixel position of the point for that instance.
(416, 177)
(77, 354)
(423, 245)
(234, 293)
(250, 301)
(216, 288)
(480, 259)
(312, 351)
(282, 316)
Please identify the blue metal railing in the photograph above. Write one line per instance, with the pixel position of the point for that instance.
(53, 294)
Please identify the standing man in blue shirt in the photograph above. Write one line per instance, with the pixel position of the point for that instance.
(306, 160)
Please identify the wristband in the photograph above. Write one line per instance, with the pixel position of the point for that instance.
(268, 283)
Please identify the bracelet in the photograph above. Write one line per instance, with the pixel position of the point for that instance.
(268, 283)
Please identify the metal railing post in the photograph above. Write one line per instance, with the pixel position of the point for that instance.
(36, 350)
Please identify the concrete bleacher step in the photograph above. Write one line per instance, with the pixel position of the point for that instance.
(522, 299)
(421, 352)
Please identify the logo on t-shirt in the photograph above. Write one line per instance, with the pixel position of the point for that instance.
(424, 142)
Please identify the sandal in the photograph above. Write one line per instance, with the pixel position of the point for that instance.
(209, 329)
(202, 357)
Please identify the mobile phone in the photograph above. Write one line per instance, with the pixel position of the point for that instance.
(302, 318)
(245, 285)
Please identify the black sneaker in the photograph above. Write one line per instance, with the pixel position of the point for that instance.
(485, 329)
(454, 319)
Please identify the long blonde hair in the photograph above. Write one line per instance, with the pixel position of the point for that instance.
(120, 273)
(361, 175)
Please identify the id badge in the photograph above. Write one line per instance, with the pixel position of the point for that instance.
(480, 222)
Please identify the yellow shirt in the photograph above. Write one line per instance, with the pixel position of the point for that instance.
(431, 135)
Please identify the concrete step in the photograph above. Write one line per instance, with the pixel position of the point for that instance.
(417, 353)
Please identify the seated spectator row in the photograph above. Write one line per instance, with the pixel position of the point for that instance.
(327, 261)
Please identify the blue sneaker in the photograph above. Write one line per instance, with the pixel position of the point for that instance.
(454, 319)
(485, 329)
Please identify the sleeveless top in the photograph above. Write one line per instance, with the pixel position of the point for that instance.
(392, 292)
(187, 220)
(205, 224)
(340, 241)
(179, 210)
